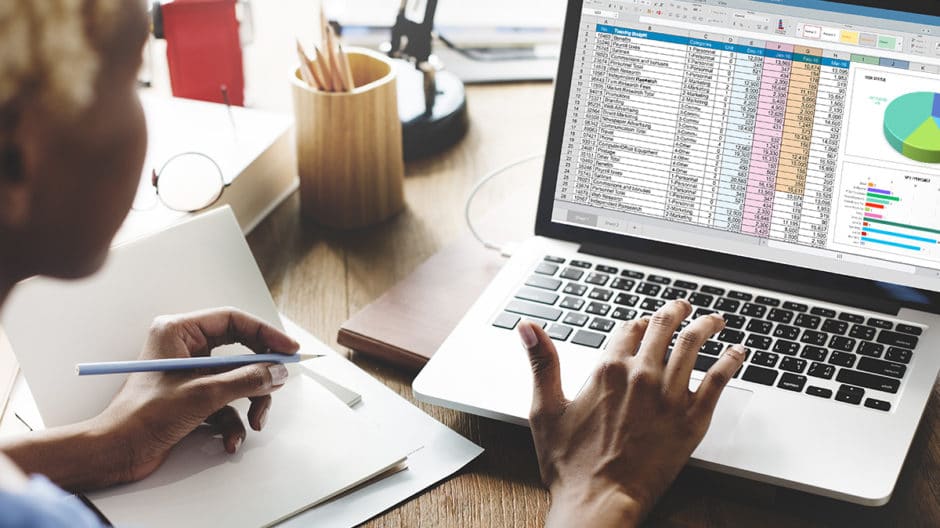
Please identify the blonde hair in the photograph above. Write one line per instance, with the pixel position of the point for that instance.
(47, 53)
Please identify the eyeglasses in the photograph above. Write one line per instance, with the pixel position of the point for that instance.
(188, 182)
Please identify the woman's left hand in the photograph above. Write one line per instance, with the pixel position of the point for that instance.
(154, 410)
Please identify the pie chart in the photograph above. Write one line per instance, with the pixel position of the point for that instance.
(912, 126)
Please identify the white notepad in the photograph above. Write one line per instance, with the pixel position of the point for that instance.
(313, 448)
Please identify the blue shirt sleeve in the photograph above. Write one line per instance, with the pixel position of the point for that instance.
(43, 505)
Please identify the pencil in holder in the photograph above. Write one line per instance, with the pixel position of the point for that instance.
(349, 146)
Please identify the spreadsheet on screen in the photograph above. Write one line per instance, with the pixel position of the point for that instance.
(769, 128)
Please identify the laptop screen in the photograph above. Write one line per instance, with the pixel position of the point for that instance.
(801, 132)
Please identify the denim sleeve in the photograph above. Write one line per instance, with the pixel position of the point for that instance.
(43, 505)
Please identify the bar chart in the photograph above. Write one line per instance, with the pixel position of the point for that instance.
(890, 213)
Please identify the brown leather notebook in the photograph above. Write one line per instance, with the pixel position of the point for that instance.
(406, 325)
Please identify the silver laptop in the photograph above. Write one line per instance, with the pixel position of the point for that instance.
(773, 161)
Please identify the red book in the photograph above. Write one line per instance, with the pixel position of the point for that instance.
(204, 50)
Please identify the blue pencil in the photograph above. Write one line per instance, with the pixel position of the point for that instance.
(164, 365)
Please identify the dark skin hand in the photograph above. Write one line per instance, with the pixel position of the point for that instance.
(154, 411)
(608, 455)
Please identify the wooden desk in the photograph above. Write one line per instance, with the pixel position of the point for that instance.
(320, 277)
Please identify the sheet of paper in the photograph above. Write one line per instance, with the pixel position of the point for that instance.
(436, 452)
(313, 448)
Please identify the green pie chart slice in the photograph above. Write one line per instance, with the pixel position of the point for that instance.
(912, 126)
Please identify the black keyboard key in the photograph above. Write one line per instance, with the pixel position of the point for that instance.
(701, 299)
(865, 333)
(807, 321)
(880, 405)
(659, 279)
(851, 318)
(727, 305)
(764, 359)
(760, 327)
(624, 314)
(731, 336)
(735, 322)
(597, 279)
(712, 290)
(588, 339)
(703, 363)
(685, 285)
(575, 319)
(546, 283)
(740, 296)
(674, 293)
(849, 394)
(846, 344)
(793, 364)
(796, 307)
(812, 337)
(821, 370)
(761, 375)
(506, 320)
(575, 289)
(901, 355)
(546, 269)
(606, 269)
(835, 327)
(539, 296)
(790, 348)
(787, 332)
(887, 337)
(554, 259)
(632, 274)
(596, 308)
(624, 299)
(701, 312)
(754, 310)
(908, 329)
(869, 349)
(622, 284)
(793, 382)
(880, 323)
(780, 316)
(842, 359)
(572, 303)
(533, 310)
(878, 366)
(572, 274)
(758, 341)
(869, 381)
(646, 288)
(712, 348)
(559, 332)
(767, 301)
(581, 264)
(819, 392)
(823, 312)
(814, 353)
(602, 325)
(600, 294)
(652, 304)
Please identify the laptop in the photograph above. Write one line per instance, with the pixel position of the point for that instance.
(773, 161)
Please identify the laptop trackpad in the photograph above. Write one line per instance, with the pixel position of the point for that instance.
(728, 413)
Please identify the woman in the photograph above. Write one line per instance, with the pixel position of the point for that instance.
(72, 143)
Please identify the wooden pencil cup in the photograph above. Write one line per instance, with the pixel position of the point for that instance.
(349, 146)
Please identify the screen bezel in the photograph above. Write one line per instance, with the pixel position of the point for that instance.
(905, 296)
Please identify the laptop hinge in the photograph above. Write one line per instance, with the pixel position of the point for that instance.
(855, 293)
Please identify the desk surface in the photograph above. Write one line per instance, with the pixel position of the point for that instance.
(320, 277)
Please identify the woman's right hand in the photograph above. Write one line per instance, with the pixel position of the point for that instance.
(608, 455)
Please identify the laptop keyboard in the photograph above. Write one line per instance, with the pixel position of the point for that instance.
(793, 346)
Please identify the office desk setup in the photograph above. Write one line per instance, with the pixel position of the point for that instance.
(320, 278)
(334, 248)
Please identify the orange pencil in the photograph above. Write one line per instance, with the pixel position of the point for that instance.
(346, 69)
(305, 71)
(338, 82)
(324, 66)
